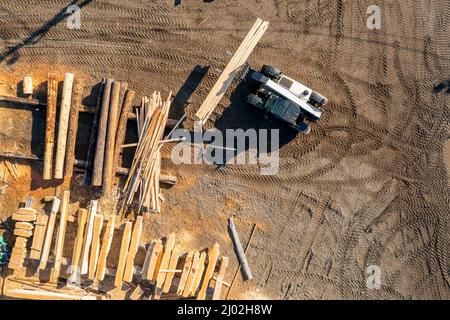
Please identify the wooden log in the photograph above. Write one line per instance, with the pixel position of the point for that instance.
(213, 255)
(93, 137)
(239, 267)
(239, 251)
(198, 274)
(186, 269)
(97, 175)
(123, 254)
(74, 268)
(219, 279)
(73, 126)
(123, 90)
(49, 233)
(134, 245)
(88, 238)
(63, 125)
(190, 280)
(61, 235)
(168, 247)
(39, 235)
(95, 248)
(154, 254)
(108, 163)
(52, 91)
(122, 127)
(106, 246)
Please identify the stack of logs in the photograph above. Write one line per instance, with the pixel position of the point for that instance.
(145, 171)
(114, 106)
(62, 164)
(165, 272)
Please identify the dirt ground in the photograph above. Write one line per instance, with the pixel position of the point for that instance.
(368, 186)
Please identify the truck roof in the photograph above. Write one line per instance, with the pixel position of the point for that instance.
(280, 90)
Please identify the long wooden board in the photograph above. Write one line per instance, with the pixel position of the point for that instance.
(219, 280)
(123, 254)
(84, 267)
(61, 235)
(49, 233)
(106, 246)
(172, 266)
(184, 275)
(38, 238)
(213, 255)
(134, 245)
(154, 252)
(95, 247)
(63, 125)
(198, 274)
(168, 247)
(74, 269)
(52, 91)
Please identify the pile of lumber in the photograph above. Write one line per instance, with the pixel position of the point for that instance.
(61, 164)
(165, 272)
(238, 60)
(145, 171)
(114, 105)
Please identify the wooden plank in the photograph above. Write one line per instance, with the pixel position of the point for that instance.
(26, 211)
(93, 137)
(212, 261)
(134, 245)
(24, 217)
(52, 91)
(186, 269)
(23, 233)
(222, 83)
(219, 279)
(49, 233)
(38, 238)
(88, 237)
(74, 268)
(61, 235)
(122, 127)
(154, 253)
(97, 175)
(73, 126)
(198, 274)
(95, 248)
(190, 280)
(123, 254)
(168, 247)
(106, 246)
(63, 125)
(172, 266)
(24, 226)
(44, 295)
(137, 293)
(108, 164)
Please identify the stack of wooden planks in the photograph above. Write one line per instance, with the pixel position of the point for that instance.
(239, 58)
(108, 133)
(166, 272)
(145, 171)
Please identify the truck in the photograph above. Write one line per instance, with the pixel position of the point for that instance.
(283, 99)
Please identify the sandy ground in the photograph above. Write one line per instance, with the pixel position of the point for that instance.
(369, 185)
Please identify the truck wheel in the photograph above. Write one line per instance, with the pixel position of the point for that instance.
(318, 98)
(270, 72)
(255, 101)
